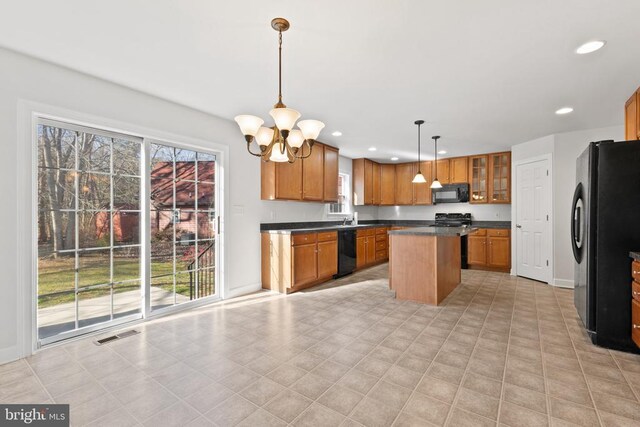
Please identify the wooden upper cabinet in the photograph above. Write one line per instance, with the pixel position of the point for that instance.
(443, 172)
(479, 179)
(459, 170)
(368, 182)
(331, 170)
(632, 117)
(387, 184)
(422, 192)
(404, 186)
(362, 171)
(310, 179)
(288, 180)
(500, 177)
(313, 174)
(375, 184)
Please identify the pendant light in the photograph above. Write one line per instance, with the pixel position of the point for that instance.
(280, 143)
(435, 185)
(419, 178)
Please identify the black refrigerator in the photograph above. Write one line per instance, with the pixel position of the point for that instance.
(605, 227)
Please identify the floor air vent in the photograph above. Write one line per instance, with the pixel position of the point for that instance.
(124, 334)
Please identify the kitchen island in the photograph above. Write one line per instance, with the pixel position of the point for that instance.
(424, 262)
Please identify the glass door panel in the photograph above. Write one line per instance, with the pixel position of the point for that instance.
(89, 186)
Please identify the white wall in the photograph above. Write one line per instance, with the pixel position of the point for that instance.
(564, 149)
(478, 212)
(27, 79)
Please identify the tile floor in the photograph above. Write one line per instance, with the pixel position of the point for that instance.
(501, 350)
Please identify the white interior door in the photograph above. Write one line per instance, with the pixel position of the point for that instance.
(533, 233)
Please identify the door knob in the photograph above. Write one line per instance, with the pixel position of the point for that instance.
(518, 226)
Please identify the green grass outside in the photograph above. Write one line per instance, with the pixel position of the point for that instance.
(57, 275)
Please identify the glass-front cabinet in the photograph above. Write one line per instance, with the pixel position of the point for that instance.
(500, 177)
(478, 177)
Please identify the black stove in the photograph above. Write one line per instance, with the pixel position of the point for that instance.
(453, 219)
(456, 220)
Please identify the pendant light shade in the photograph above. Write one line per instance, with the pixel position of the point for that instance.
(435, 185)
(419, 178)
(279, 153)
(249, 125)
(264, 136)
(295, 139)
(310, 128)
(285, 118)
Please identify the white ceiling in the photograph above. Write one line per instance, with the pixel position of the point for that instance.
(483, 74)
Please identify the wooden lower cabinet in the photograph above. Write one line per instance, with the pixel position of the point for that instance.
(372, 246)
(305, 264)
(489, 249)
(635, 321)
(361, 251)
(291, 262)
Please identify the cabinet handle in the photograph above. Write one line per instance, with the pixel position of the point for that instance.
(635, 293)
(636, 326)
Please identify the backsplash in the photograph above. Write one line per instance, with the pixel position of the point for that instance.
(493, 212)
(281, 211)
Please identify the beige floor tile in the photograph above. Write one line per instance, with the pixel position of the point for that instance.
(262, 418)
(373, 413)
(231, 411)
(261, 391)
(288, 405)
(437, 389)
(426, 408)
(358, 381)
(176, 415)
(340, 399)
(517, 416)
(318, 416)
(573, 413)
(525, 397)
(477, 403)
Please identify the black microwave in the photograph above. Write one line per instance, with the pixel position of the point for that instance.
(450, 193)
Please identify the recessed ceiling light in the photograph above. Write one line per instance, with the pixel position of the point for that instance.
(564, 110)
(394, 158)
(372, 148)
(442, 152)
(336, 133)
(590, 47)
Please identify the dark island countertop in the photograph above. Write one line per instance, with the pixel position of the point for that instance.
(635, 255)
(434, 231)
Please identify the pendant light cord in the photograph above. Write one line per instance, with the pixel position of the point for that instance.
(435, 162)
(418, 148)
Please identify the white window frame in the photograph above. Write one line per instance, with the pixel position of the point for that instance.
(346, 189)
(29, 113)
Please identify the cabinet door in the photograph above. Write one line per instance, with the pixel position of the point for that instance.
(478, 179)
(376, 183)
(459, 170)
(443, 171)
(289, 180)
(499, 253)
(477, 250)
(635, 322)
(370, 249)
(422, 192)
(404, 187)
(361, 252)
(387, 184)
(330, 174)
(631, 118)
(500, 177)
(327, 258)
(313, 174)
(368, 182)
(305, 263)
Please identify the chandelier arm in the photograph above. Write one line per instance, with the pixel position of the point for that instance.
(251, 152)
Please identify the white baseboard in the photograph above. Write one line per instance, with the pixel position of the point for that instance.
(563, 283)
(243, 290)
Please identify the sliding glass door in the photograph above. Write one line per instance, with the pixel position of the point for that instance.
(90, 216)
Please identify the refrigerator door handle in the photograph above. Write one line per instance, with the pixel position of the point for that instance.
(577, 230)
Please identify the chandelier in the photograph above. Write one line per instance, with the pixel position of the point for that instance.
(280, 143)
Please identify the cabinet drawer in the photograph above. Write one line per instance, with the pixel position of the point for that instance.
(497, 232)
(301, 239)
(382, 237)
(381, 246)
(635, 322)
(635, 271)
(327, 236)
(479, 232)
(635, 290)
(380, 255)
(381, 230)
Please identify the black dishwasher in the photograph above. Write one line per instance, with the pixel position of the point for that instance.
(346, 252)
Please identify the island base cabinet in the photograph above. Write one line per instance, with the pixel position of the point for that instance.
(294, 262)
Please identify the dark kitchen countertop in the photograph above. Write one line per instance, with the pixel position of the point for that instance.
(434, 231)
(314, 226)
(635, 255)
